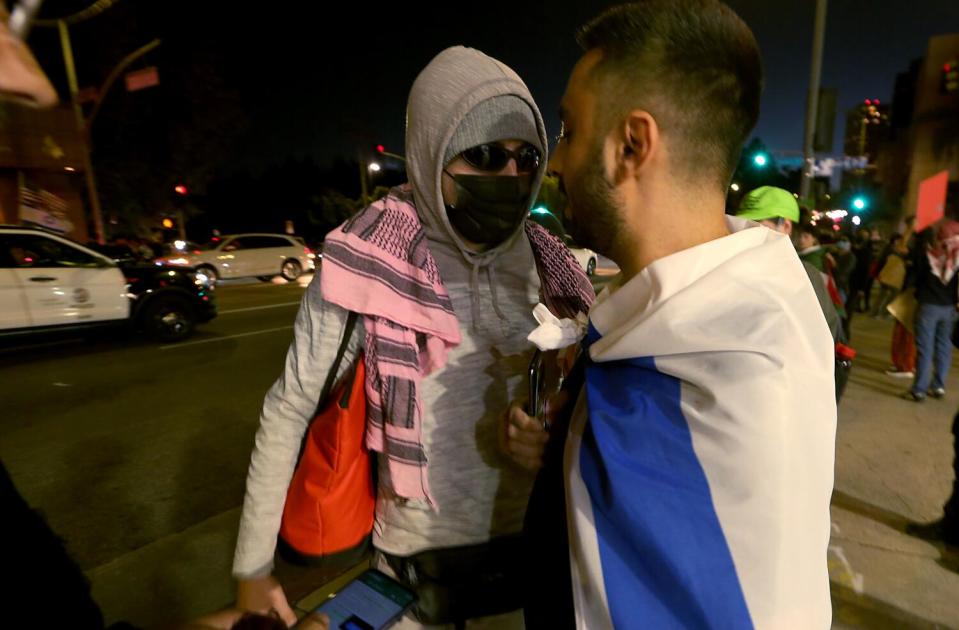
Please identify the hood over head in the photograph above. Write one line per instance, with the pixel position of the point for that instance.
(461, 99)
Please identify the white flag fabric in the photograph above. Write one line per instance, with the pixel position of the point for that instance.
(699, 465)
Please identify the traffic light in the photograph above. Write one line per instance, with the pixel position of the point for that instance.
(761, 160)
(950, 77)
(859, 203)
(167, 223)
(380, 149)
(180, 189)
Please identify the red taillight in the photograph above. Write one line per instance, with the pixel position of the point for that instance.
(307, 251)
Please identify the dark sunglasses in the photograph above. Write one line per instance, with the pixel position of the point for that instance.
(494, 157)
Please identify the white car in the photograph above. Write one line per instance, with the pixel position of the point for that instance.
(262, 256)
(585, 257)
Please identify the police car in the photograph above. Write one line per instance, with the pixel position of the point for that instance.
(50, 283)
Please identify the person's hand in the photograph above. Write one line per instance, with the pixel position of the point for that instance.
(261, 595)
(524, 438)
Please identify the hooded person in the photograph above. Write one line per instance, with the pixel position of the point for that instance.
(445, 272)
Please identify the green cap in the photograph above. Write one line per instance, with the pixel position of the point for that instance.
(769, 202)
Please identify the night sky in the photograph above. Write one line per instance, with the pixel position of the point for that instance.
(318, 85)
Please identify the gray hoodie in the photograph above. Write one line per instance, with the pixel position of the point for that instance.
(479, 492)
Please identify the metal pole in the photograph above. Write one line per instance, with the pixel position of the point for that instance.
(22, 17)
(812, 99)
(363, 187)
(181, 224)
(395, 156)
(82, 130)
(114, 74)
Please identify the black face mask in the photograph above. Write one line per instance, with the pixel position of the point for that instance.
(489, 207)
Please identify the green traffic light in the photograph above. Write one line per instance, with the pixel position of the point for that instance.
(859, 203)
(540, 210)
(760, 160)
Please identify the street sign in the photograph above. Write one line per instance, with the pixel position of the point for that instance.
(932, 200)
(142, 79)
(824, 167)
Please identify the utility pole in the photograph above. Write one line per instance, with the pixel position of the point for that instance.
(812, 99)
(82, 130)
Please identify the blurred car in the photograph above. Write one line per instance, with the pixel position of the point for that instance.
(586, 258)
(49, 283)
(262, 256)
(120, 254)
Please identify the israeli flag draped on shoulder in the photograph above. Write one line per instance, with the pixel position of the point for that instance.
(698, 482)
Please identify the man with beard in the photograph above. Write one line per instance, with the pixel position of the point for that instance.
(693, 487)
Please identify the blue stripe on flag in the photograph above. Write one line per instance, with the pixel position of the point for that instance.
(665, 560)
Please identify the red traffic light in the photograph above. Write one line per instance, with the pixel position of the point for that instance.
(947, 68)
(180, 189)
(868, 102)
(380, 148)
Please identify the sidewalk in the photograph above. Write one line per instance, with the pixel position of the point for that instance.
(893, 465)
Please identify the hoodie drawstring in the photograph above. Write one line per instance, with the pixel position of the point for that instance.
(491, 275)
(475, 294)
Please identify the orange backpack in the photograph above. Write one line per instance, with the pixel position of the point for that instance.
(328, 515)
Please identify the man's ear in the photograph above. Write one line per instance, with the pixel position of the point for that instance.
(636, 142)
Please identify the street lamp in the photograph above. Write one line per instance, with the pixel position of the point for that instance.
(375, 167)
(734, 187)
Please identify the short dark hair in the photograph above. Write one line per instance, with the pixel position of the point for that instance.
(693, 64)
(810, 230)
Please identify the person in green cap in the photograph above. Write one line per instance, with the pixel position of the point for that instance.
(778, 210)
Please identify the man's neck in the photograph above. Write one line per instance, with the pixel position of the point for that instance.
(673, 226)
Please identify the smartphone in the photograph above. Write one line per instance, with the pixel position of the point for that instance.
(537, 381)
(373, 601)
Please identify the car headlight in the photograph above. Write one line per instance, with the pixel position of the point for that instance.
(179, 261)
(202, 280)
